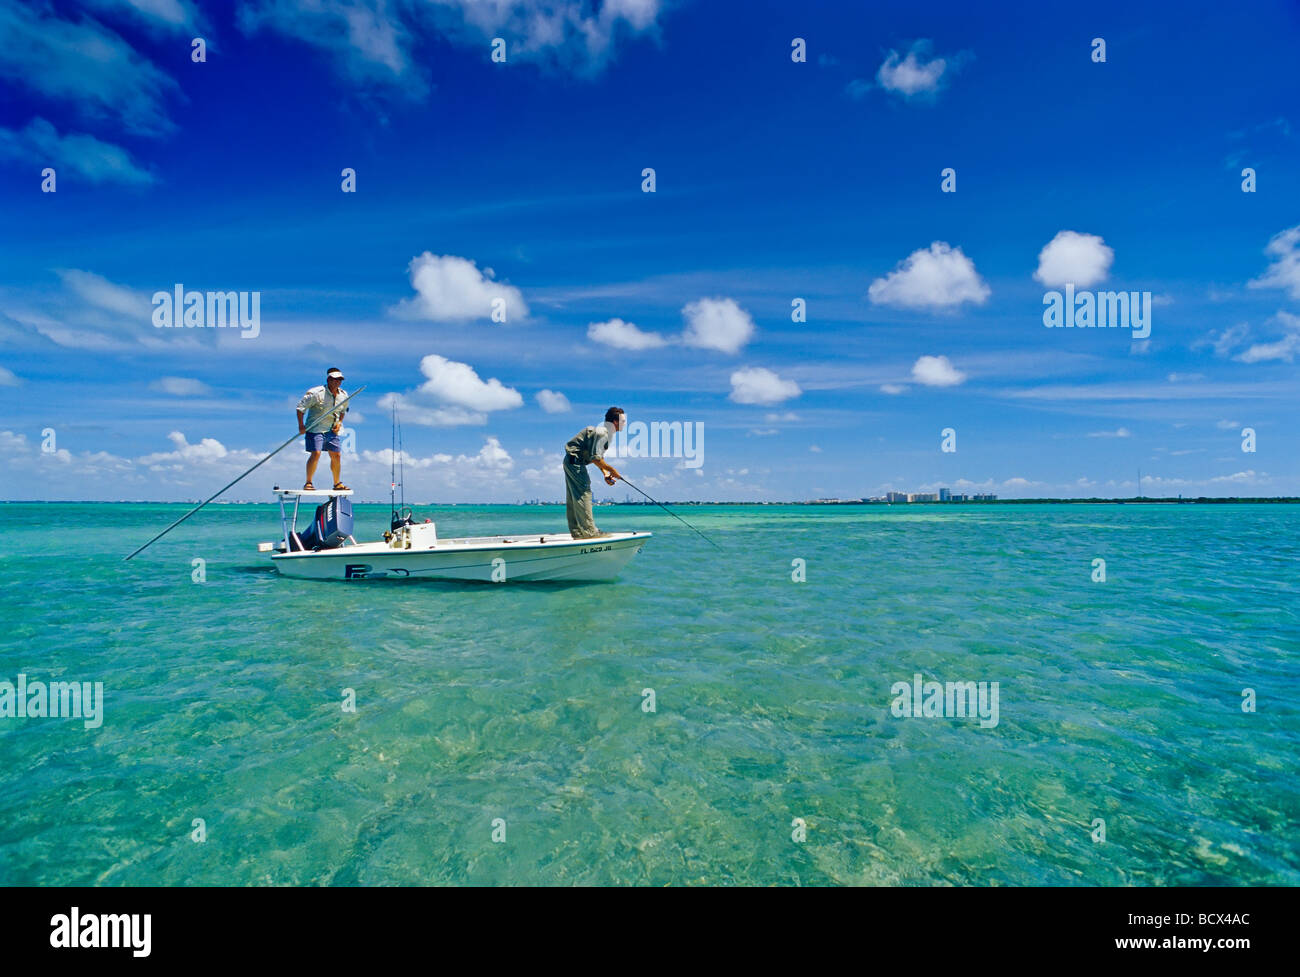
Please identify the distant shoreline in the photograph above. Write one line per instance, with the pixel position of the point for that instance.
(1201, 500)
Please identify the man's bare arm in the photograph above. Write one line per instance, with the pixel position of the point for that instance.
(302, 428)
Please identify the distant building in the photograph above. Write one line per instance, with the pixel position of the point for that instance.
(897, 497)
(984, 498)
(960, 498)
(945, 495)
(923, 497)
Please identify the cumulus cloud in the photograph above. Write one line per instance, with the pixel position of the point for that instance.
(452, 395)
(40, 144)
(1073, 258)
(1284, 271)
(938, 277)
(458, 385)
(916, 73)
(553, 402)
(914, 76)
(7, 378)
(718, 324)
(936, 371)
(185, 455)
(181, 387)
(623, 335)
(452, 289)
(756, 385)
(491, 457)
(413, 412)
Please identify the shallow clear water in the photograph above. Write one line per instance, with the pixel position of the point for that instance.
(1119, 700)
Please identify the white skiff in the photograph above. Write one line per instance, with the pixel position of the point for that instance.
(414, 551)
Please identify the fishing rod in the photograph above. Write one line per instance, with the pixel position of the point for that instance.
(332, 410)
(675, 516)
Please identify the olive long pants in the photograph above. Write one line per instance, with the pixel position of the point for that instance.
(577, 501)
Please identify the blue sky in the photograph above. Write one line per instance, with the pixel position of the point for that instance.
(775, 180)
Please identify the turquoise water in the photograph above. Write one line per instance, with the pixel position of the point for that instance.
(1118, 700)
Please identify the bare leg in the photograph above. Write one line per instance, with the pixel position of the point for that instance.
(336, 466)
(312, 460)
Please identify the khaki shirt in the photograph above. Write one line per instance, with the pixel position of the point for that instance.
(316, 402)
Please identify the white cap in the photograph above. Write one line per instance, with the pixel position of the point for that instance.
(333, 374)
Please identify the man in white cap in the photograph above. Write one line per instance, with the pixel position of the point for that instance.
(322, 425)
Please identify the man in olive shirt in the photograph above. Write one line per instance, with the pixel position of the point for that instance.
(588, 447)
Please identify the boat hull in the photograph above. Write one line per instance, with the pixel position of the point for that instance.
(485, 559)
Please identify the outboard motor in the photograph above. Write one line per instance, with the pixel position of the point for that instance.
(330, 527)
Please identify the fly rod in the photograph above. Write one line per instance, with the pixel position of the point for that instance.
(675, 516)
(332, 410)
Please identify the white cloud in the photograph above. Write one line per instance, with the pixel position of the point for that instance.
(453, 395)
(937, 277)
(1284, 272)
(367, 40)
(936, 371)
(457, 384)
(718, 324)
(1226, 341)
(452, 289)
(1119, 432)
(412, 412)
(173, 15)
(40, 144)
(103, 294)
(553, 402)
(85, 66)
(756, 385)
(623, 335)
(491, 457)
(1226, 425)
(916, 73)
(785, 417)
(1073, 258)
(1284, 349)
(185, 455)
(815, 448)
(7, 378)
(893, 388)
(373, 39)
(1184, 377)
(182, 387)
